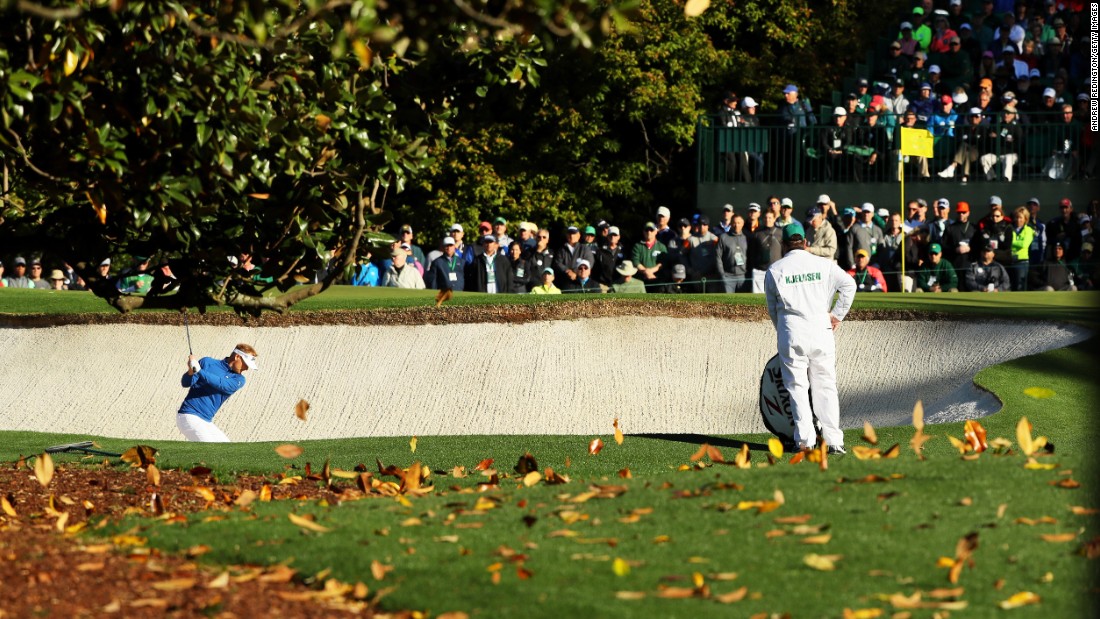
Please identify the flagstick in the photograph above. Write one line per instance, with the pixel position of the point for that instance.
(901, 209)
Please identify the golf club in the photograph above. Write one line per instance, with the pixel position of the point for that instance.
(187, 327)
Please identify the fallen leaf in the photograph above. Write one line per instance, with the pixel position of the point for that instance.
(798, 457)
(443, 296)
(824, 563)
(863, 613)
(1058, 538)
(869, 433)
(526, 464)
(152, 473)
(412, 444)
(918, 441)
(733, 596)
(775, 447)
(818, 539)
(1076, 509)
(140, 456)
(620, 567)
(532, 478)
(1034, 465)
(862, 452)
(975, 435)
(630, 595)
(801, 519)
(918, 416)
(959, 444)
(175, 584)
(1023, 437)
(43, 469)
(379, 570)
(7, 507)
(741, 460)
(676, 593)
(301, 410)
(893, 452)
(484, 464)
(307, 523)
(618, 432)
(523, 573)
(1023, 598)
(289, 451)
(595, 445)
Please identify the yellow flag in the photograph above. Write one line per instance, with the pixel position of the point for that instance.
(916, 142)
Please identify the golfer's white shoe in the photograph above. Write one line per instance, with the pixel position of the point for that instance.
(836, 450)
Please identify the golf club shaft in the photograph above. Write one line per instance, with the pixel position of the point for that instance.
(187, 327)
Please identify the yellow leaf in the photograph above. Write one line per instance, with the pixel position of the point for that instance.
(1039, 393)
(1058, 538)
(630, 595)
(697, 580)
(620, 567)
(71, 61)
(8, 509)
(532, 478)
(775, 446)
(1022, 598)
(1076, 509)
(958, 443)
(1034, 465)
(62, 520)
(741, 460)
(43, 469)
(892, 452)
(289, 451)
(152, 473)
(862, 452)
(412, 444)
(221, 582)
(819, 562)
(695, 8)
(306, 523)
(975, 435)
(918, 416)
(945, 562)
(379, 570)
(862, 613)
(362, 52)
(301, 410)
(818, 539)
(618, 432)
(265, 493)
(869, 433)
(1023, 436)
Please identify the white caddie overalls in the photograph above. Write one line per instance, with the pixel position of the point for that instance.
(799, 289)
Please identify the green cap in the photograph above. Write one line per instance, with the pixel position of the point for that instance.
(589, 230)
(934, 248)
(792, 230)
(500, 220)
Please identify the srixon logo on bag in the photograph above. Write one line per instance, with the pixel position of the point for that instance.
(775, 401)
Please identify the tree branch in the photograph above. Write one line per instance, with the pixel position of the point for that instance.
(55, 14)
(27, 159)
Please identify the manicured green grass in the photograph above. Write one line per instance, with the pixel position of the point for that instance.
(1068, 306)
(890, 533)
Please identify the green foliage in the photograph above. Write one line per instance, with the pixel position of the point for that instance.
(194, 130)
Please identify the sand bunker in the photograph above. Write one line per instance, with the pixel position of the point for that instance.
(656, 374)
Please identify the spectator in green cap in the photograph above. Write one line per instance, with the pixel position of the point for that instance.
(500, 231)
(936, 274)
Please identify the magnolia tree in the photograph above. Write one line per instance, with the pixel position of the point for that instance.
(193, 132)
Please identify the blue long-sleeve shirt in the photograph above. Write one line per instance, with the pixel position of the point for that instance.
(209, 388)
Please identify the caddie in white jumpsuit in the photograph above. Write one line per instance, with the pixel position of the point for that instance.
(799, 289)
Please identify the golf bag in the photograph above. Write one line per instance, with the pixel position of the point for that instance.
(775, 403)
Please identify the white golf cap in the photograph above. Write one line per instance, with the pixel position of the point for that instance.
(613, 230)
(456, 228)
(942, 202)
(748, 102)
(754, 206)
(249, 360)
(786, 202)
(995, 200)
(960, 98)
(727, 207)
(934, 68)
(867, 207)
(1049, 92)
(583, 262)
(106, 262)
(883, 213)
(839, 111)
(662, 211)
(1035, 200)
(448, 240)
(823, 199)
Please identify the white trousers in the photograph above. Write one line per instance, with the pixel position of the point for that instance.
(758, 280)
(194, 428)
(809, 363)
(990, 160)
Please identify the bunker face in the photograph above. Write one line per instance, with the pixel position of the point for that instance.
(657, 375)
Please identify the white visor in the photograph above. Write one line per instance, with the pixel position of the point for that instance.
(249, 360)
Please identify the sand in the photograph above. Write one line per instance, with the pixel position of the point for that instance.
(656, 374)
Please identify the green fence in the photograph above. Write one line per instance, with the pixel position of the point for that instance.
(1045, 148)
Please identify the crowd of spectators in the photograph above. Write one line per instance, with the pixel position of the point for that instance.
(944, 250)
(999, 84)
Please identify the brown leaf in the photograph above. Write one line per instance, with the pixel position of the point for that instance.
(379, 570)
(1079, 510)
(175, 584)
(798, 457)
(869, 433)
(443, 296)
(140, 456)
(618, 432)
(526, 464)
(289, 451)
(595, 445)
(1058, 538)
(523, 573)
(484, 464)
(892, 452)
(43, 469)
(301, 410)
(975, 435)
(265, 493)
(918, 441)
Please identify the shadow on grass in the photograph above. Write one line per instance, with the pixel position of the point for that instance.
(699, 439)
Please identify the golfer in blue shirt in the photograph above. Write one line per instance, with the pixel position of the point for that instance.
(210, 382)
